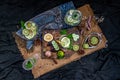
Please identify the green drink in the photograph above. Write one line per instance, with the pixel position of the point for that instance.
(29, 63)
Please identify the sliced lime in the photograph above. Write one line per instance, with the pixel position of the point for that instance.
(94, 40)
(31, 35)
(28, 25)
(75, 47)
(33, 28)
(85, 46)
(25, 32)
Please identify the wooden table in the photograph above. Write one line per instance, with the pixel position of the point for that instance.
(46, 65)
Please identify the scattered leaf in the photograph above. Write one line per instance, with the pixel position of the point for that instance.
(63, 32)
(22, 24)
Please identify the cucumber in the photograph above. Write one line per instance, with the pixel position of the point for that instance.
(55, 45)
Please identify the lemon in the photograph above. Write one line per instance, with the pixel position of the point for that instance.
(65, 42)
(48, 37)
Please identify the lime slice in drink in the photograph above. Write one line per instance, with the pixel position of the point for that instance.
(94, 40)
(33, 28)
(31, 34)
(25, 32)
(75, 47)
(65, 42)
(28, 24)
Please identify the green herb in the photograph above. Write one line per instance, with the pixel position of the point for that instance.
(71, 45)
(63, 32)
(22, 24)
(69, 36)
(29, 64)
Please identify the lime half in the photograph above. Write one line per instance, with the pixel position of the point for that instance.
(65, 42)
(75, 47)
(85, 46)
(60, 54)
(94, 40)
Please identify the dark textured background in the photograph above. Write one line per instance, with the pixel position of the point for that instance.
(101, 65)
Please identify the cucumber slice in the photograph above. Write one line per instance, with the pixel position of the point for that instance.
(75, 47)
(55, 45)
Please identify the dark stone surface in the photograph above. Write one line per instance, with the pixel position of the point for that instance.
(101, 65)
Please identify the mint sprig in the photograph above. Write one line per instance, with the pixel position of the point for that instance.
(22, 24)
(63, 32)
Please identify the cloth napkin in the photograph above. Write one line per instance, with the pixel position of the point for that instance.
(51, 19)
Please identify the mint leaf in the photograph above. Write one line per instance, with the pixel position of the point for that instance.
(64, 31)
(71, 45)
(69, 36)
(22, 24)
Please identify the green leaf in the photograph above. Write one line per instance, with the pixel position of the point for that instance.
(71, 45)
(69, 36)
(22, 24)
(64, 31)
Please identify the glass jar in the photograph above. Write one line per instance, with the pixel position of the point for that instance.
(73, 17)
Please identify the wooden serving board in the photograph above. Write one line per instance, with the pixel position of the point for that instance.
(46, 65)
(56, 36)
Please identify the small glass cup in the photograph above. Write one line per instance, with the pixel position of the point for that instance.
(73, 17)
(32, 30)
(29, 63)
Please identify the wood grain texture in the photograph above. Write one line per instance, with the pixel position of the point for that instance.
(46, 65)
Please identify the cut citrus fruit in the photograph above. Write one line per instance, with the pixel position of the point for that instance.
(75, 47)
(94, 40)
(28, 25)
(31, 34)
(48, 37)
(85, 46)
(60, 54)
(25, 32)
(65, 42)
